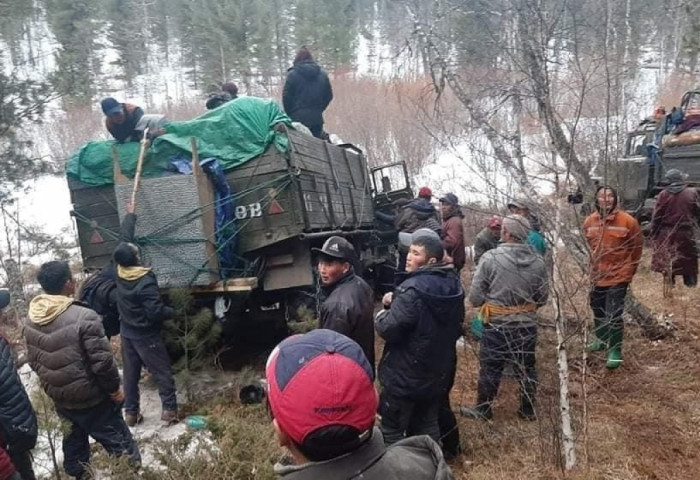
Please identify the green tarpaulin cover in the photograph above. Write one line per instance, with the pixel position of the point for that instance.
(233, 133)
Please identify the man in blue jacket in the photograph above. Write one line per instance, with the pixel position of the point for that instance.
(141, 315)
(421, 325)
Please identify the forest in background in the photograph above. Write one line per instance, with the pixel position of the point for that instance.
(534, 92)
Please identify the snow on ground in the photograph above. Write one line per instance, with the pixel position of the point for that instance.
(148, 434)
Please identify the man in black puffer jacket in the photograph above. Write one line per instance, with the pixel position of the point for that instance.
(141, 315)
(307, 92)
(421, 327)
(18, 426)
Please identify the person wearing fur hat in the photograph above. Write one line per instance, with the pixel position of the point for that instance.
(307, 92)
(615, 241)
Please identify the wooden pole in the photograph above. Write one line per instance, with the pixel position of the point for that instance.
(139, 166)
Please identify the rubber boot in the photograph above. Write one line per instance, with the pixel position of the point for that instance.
(601, 333)
(615, 349)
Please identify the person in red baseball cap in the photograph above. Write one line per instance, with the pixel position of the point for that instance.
(488, 238)
(425, 192)
(323, 405)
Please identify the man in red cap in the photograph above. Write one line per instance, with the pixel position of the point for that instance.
(425, 193)
(488, 238)
(330, 433)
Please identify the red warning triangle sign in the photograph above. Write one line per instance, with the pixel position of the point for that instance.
(96, 237)
(275, 208)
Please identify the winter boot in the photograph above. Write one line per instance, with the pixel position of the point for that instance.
(133, 419)
(170, 417)
(615, 349)
(482, 411)
(528, 390)
(601, 333)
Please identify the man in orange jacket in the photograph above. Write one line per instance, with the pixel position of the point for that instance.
(616, 243)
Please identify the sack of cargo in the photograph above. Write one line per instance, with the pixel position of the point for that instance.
(688, 138)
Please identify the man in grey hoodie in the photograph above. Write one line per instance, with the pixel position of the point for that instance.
(331, 433)
(509, 286)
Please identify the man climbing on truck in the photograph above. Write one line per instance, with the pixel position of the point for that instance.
(141, 315)
(122, 119)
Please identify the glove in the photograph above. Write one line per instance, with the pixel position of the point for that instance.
(117, 397)
(477, 327)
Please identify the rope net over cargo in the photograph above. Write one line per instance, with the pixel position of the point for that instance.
(161, 239)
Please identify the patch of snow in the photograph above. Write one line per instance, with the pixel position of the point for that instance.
(148, 435)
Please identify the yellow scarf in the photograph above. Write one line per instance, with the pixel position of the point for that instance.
(489, 309)
(44, 309)
(132, 273)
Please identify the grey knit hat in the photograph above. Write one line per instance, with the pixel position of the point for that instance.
(517, 226)
(675, 175)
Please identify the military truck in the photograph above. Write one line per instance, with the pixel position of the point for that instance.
(286, 202)
(650, 150)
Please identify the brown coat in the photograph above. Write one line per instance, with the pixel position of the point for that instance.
(616, 243)
(72, 358)
(676, 214)
(454, 238)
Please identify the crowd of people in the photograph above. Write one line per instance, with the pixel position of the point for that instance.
(321, 385)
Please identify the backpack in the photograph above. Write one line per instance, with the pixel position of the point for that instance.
(99, 293)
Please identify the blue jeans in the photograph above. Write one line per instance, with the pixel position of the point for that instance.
(151, 353)
(104, 423)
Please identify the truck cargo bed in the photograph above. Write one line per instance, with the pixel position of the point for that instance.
(314, 187)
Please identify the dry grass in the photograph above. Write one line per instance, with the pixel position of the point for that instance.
(642, 419)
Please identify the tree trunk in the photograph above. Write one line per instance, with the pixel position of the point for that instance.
(534, 52)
